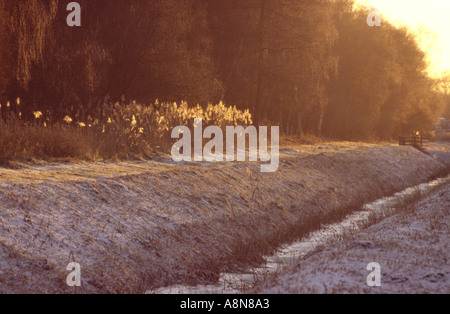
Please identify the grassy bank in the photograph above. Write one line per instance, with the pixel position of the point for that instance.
(137, 226)
(411, 247)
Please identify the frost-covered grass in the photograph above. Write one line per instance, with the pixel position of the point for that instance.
(134, 226)
(412, 248)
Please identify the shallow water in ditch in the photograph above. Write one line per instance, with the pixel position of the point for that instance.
(289, 255)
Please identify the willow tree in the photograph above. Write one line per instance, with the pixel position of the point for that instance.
(142, 50)
(25, 29)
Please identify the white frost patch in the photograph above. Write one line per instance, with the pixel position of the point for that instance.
(411, 247)
(289, 256)
(137, 225)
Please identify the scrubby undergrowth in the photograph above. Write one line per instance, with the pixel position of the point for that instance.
(132, 131)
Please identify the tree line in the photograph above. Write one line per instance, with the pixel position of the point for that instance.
(310, 66)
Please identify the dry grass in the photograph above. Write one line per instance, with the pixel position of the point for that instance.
(401, 205)
(307, 139)
(183, 224)
(20, 142)
(411, 247)
(132, 131)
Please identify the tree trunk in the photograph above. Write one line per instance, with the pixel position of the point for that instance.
(319, 125)
(281, 113)
(298, 105)
(260, 62)
(300, 126)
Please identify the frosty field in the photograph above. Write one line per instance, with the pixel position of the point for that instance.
(135, 226)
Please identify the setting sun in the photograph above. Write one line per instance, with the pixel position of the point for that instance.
(428, 19)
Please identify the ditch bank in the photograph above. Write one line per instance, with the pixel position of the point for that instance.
(410, 245)
(165, 224)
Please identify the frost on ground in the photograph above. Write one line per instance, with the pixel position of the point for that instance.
(412, 248)
(440, 151)
(135, 226)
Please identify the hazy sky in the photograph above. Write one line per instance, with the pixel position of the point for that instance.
(431, 15)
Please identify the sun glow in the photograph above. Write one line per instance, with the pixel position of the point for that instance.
(428, 19)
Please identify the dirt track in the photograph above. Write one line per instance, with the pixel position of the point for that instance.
(136, 226)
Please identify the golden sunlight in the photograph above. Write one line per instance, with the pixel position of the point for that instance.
(430, 20)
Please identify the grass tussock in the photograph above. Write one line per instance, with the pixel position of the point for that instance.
(132, 131)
